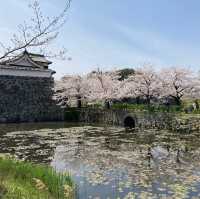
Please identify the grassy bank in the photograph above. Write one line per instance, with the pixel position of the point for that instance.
(157, 108)
(22, 180)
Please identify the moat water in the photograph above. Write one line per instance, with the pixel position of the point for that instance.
(110, 162)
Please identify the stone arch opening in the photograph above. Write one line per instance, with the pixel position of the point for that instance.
(129, 122)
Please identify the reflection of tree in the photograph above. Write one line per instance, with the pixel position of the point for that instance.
(111, 157)
(142, 164)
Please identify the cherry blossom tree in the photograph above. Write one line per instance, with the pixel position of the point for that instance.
(36, 34)
(72, 86)
(144, 83)
(178, 82)
(196, 90)
(104, 86)
(60, 93)
(95, 86)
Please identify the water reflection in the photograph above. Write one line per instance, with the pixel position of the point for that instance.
(108, 162)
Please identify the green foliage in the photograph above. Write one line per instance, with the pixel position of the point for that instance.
(149, 108)
(196, 112)
(25, 180)
(159, 108)
(140, 107)
(95, 105)
(125, 73)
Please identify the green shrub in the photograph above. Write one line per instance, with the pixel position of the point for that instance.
(96, 105)
(149, 108)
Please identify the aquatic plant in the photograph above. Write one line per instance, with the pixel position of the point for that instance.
(25, 180)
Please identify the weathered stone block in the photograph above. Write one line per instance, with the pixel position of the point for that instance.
(25, 99)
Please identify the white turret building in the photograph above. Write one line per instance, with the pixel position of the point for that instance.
(28, 65)
(26, 89)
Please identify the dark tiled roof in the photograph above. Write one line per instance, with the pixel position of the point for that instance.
(39, 58)
(36, 60)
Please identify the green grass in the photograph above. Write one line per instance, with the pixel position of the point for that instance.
(150, 108)
(23, 180)
(158, 108)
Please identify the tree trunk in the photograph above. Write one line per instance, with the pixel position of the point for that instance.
(107, 104)
(148, 100)
(178, 100)
(79, 102)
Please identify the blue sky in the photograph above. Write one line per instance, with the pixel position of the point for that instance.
(115, 34)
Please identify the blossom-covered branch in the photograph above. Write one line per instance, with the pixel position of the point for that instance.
(35, 34)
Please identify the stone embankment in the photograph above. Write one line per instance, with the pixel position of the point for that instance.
(186, 123)
(128, 118)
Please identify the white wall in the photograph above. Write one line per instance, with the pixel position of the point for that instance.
(25, 73)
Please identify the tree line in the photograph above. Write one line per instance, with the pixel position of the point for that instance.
(146, 83)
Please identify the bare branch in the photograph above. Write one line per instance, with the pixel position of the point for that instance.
(37, 33)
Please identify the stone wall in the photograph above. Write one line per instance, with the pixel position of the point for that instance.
(158, 120)
(117, 117)
(27, 99)
(187, 123)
